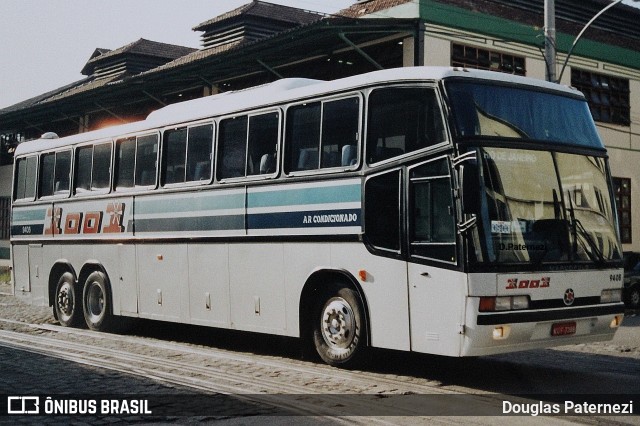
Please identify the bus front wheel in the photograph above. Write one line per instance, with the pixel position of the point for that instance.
(339, 328)
(66, 306)
(96, 302)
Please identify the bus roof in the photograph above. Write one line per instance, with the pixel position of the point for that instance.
(280, 91)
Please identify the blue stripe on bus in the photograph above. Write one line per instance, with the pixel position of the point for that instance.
(308, 219)
(305, 195)
(28, 215)
(190, 204)
(183, 224)
(290, 220)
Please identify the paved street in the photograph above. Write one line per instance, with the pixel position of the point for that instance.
(205, 375)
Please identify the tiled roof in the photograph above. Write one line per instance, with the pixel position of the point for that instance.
(365, 8)
(264, 10)
(186, 56)
(141, 47)
(195, 56)
(43, 97)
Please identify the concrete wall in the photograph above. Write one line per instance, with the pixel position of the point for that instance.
(5, 181)
(5, 191)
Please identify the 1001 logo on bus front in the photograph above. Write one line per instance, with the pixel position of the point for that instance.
(515, 283)
(75, 223)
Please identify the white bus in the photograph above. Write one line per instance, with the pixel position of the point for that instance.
(435, 210)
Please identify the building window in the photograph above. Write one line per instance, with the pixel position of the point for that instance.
(5, 216)
(622, 188)
(484, 59)
(608, 97)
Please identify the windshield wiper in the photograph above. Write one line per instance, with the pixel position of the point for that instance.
(578, 228)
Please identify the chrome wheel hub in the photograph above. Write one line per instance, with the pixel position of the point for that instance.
(338, 324)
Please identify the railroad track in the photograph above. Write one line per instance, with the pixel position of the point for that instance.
(303, 389)
(297, 386)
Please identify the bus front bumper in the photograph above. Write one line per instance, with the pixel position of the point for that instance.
(500, 332)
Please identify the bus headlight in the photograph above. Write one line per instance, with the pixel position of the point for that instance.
(503, 303)
(611, 295)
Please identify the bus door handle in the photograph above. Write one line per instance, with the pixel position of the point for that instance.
(425, 274)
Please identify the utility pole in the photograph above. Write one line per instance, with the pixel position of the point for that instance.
(550, 39)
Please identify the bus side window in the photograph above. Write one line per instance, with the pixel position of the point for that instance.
(383, 211)
(303, 137)
(232, 148)
(54, 173)
(175, 152)
(26, 169)
(62, 174)
(125, 163)
(199, 153)
(146, 160)
(262, 144)
(340, 132)
(47, 170)
(84, 159)
(93, 168)
(402, 120)
(323, 135)
(101, 170)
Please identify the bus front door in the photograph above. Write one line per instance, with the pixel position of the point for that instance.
(436, 288)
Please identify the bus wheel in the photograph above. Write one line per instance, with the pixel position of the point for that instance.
(96, 302)
(66, 305)
(339, 328)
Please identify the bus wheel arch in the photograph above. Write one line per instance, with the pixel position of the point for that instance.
(334, 318)
(65, 295)
(97, 297)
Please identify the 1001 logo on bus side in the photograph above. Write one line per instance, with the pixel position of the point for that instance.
(84, 222)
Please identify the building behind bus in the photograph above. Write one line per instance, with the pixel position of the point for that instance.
(262, 42)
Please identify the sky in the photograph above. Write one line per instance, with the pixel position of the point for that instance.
(44, 44)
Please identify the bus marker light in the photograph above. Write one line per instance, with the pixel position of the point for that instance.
(362, 274)
(502, 332)
(616, 321)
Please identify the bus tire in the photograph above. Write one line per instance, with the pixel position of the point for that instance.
(96, 302)
(66, 305)
(339, 328)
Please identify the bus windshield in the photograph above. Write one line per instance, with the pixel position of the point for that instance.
(543, 207)
(508, 112)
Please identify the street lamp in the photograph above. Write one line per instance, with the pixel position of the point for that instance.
(550, 37)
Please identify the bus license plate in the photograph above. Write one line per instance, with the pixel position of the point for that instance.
(563, 328)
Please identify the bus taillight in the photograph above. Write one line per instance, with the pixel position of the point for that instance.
(503, 303)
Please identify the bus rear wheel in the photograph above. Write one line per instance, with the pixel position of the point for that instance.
(339, 328)
(66, 306)
(96, 302)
